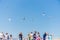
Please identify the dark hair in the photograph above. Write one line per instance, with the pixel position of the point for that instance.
(35, 31)
(10, 35)
(38, 33)
(31, 32)
(6, 33)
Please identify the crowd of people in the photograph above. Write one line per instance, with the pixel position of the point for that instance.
(36, 36)
(5, 36)
(31, 36)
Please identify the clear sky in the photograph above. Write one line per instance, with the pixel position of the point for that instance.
(29, 15)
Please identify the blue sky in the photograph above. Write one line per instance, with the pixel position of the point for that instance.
(40, 15)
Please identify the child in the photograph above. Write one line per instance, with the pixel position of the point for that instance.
(38, 38)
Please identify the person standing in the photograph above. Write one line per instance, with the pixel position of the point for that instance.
(34, 36)
(11, 37)
(31, 36)
(6, 36)
(50, 37)
(20, 36)
(1, 36)
(47, 36)
(38, 36)
(44, 36)
(28, 36)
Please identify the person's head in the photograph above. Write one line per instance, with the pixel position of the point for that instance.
(47, 33)
(11, 35)
(38, 33)
(6, 33)
(2, 32)
(35, 32)
(28, 34)
(31, 32)
(20, 32)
